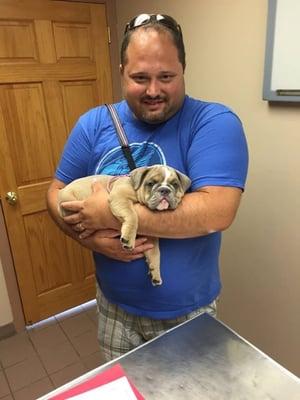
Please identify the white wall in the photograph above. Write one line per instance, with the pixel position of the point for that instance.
(225, 44)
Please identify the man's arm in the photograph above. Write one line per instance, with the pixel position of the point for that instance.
(105, 242)
(210, 209)
(207, 210)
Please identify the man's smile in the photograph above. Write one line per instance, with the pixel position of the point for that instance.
(153, 104)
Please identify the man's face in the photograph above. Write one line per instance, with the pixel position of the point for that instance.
(152, 78)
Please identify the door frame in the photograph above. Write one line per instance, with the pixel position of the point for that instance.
(6, 259)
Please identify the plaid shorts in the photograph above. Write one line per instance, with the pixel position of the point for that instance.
(120, 332)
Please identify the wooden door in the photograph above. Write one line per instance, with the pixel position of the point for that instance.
(54, 65)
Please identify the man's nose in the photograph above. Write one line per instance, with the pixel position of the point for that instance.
(153, 88)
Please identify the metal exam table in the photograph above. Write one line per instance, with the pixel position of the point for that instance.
(202, 359)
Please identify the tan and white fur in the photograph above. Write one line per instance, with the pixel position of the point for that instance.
(158, 187)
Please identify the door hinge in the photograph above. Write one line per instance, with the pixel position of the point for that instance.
(108, 35)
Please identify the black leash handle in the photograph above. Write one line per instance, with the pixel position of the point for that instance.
(122, 136)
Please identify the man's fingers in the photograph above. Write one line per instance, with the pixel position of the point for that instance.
(103, 233)
(72, 219)
(130, 256)
(74, 205)
(78, 227)
(142, 244)
(109, 233)
(142, 248)
(138, 252)
(85, 234)
(135, 257)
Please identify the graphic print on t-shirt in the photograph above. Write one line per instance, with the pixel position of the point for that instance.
(115, 163)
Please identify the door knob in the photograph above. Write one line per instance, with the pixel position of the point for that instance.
(11, 198)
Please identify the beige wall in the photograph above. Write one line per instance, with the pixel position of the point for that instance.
(5, 309)
(225, 44)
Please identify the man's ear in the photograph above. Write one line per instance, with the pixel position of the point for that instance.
(121, 68)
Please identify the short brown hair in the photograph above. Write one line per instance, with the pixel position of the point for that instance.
(176, 37)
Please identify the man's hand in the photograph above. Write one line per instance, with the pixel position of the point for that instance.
(91, 214)
(112, 248)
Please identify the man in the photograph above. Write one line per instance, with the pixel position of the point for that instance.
(164, 126)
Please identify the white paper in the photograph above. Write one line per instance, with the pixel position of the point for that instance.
(118, 389)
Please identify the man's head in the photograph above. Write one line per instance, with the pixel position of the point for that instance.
(152, 67)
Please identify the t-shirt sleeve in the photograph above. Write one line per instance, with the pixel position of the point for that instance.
(76, 154)
(218, 154)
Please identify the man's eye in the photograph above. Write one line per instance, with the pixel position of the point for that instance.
(166, 78)
(140, 79)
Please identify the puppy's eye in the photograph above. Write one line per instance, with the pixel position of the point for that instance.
(175, 185)
(150, 184)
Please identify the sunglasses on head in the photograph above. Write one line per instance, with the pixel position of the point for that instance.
(144, 19)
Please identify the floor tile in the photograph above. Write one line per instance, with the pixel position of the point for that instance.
(86, 343)
(25, 373)
(49, 354)
(58, 357)
(35, 390)
(93, 360)
(9, 397)
(77, 325)
(93, 315)
(4, 388)
(48, 337)
(68, 374)
(15, 349)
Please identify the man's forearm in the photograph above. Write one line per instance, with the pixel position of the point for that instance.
(200, 213)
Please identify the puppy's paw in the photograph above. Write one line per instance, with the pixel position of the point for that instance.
(126, 244)
(155, 278)
(156, 282)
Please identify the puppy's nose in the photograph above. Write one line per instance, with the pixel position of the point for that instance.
(164, 190)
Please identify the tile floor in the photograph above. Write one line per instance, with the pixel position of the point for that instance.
(49, 354)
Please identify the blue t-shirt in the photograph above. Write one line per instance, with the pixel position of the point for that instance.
(203, 140)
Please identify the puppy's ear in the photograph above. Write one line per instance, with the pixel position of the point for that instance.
(137, 176)
(184, 180)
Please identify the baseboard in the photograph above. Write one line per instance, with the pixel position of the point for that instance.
(7, 330)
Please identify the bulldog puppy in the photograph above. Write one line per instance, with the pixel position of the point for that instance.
(158, 187)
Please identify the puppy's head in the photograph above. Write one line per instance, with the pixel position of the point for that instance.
(159, 187)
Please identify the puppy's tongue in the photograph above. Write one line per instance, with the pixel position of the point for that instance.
(163, 205)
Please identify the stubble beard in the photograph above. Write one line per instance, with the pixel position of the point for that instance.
(154, 117)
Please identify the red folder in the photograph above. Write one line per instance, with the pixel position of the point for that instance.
(102, 378)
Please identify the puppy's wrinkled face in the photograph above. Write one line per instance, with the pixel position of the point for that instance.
(159, 187)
